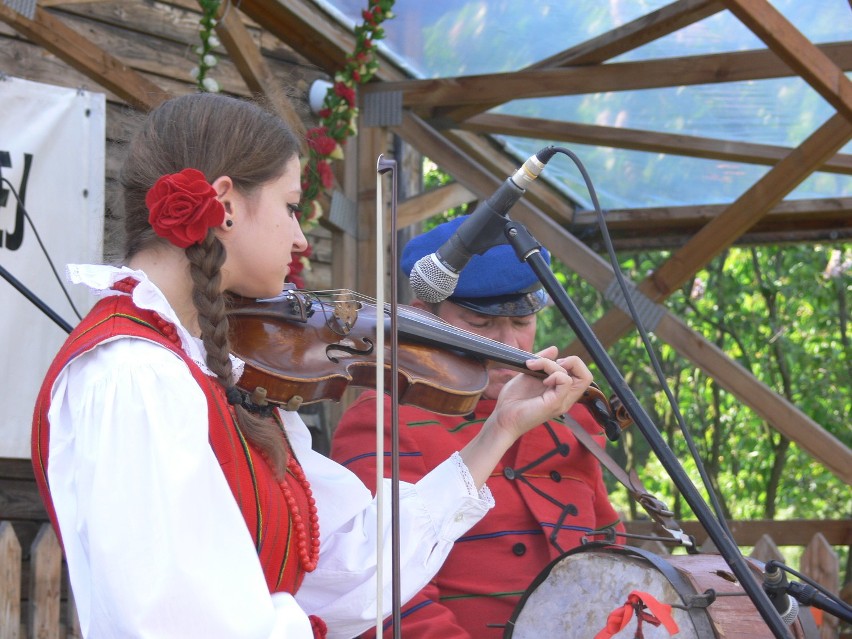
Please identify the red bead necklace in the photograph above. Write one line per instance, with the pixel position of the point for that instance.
(307, 543)
(166, 327)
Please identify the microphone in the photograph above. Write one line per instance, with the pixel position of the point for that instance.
(434, 277)
(775, 585)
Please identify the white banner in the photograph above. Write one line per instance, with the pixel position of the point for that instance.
(52, 142)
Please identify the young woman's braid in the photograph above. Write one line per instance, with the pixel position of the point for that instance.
(219, 136)
(205, 261)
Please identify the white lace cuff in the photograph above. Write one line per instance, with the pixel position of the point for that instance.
(483, 493)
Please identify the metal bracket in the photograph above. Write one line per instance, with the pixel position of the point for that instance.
(649, 312)
(381, 108)
(343, 214)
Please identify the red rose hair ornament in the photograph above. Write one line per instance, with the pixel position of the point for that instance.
(183, 206)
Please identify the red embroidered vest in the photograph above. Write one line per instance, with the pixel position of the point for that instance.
(250, 478)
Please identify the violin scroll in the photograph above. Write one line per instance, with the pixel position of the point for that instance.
(609, 413)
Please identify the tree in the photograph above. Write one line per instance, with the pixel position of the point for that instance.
(782, 314)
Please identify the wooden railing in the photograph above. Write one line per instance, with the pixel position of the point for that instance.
(36, 602)
(40, 593)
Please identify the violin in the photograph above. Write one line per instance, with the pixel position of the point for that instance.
(302, 347)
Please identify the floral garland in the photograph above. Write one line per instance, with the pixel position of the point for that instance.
(206, 58)
(337, 117)
(337, 122)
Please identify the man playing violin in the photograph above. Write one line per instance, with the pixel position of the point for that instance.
(548, 488)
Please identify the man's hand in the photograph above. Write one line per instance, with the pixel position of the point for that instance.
(524, 403)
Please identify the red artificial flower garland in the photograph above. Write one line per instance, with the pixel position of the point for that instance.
(337, 122)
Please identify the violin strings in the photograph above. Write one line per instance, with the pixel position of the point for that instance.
(421, 320)
(339, 296)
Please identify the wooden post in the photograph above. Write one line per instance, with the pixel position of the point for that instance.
(72, 621)
(655, 546)
(765, 550)
(45, 584)
(708, 547)
(820, 563)
(10, 582)
(371, 144)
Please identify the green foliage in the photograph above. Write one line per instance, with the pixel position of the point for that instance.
(434, 177)
(780, 312)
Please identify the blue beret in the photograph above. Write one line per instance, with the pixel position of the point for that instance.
(494, 283)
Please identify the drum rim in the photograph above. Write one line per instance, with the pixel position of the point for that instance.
(698, 616)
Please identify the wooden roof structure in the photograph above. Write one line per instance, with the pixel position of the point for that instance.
(137, 53)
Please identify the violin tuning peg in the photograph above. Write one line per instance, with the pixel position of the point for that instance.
(294, 403)
(258, 397)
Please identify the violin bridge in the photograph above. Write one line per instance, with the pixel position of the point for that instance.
(344, 316)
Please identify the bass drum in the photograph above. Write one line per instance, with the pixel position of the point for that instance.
(575, 594)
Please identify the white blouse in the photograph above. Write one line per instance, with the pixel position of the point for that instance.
(155, 543)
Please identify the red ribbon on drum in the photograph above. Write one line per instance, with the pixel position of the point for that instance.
(638, 601)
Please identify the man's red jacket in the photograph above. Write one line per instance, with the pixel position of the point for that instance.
(549, 493)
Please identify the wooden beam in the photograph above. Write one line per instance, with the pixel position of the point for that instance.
(826, 220)
(640, 240)
(596, 271)
(797, 51)
(638, 140)
(61, 3)
(837, 211)
(719, 234)
(634, 34)
(784, 416)
(432, 202)
(372, 142)
(608, 45)
(305, 28)
(20, 500)
(619, 76)
(669, 228)
(312, 32)
(784, 532)
(76, 51)
(249, 60)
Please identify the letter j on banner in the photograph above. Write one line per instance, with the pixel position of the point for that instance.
(52, 142)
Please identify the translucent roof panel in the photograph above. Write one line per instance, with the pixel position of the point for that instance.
(448, 38)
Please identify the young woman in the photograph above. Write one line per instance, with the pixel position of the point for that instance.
(183, 510)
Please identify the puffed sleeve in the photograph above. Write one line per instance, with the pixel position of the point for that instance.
(434, 512)
(155, 543)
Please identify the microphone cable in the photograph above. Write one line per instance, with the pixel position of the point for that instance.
(655, 364)
(41, 244)
(813, 593)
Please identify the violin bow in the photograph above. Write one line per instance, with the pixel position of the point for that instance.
(384, 165)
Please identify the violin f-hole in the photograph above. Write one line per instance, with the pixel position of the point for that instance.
(349, 349)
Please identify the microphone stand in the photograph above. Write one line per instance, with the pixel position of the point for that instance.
(529, 250)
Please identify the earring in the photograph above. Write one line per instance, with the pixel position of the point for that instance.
(229, 223)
